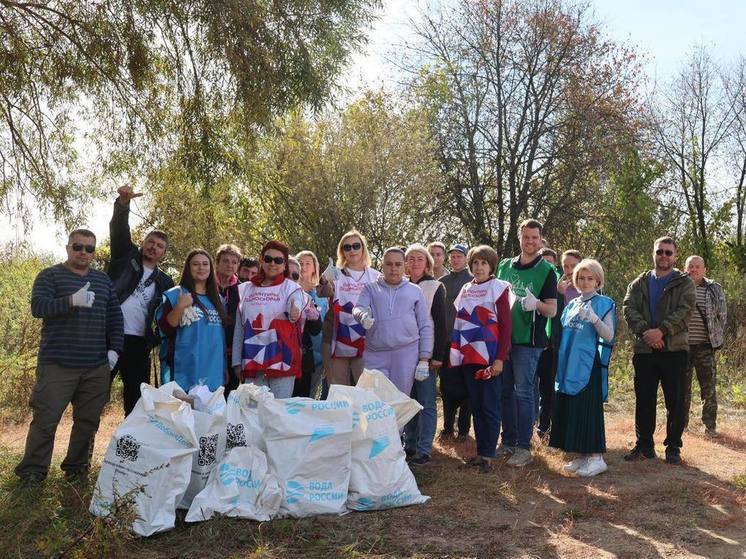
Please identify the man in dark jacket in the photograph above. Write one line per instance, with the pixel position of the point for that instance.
(452, 387)
(139, 284)
(657, 309)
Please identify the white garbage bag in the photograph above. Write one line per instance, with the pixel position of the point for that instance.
(380, 477)
(148, 463)
(239, 486)
(242, 416)
(404, 406)
(308, 447)
(209, 427)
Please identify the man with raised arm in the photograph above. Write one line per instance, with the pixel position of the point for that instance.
(139, 284)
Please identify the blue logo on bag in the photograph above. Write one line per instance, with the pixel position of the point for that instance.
(379, 445)
(355, 419)
(239, 476)
(363, 503)
(321, 432)
(293, 492)
(293, 408)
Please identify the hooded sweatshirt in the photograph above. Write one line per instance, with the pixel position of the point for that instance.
(401, 315)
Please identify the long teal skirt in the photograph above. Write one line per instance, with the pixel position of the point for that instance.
(578, 421)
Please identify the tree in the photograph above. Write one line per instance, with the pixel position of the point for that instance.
(149, 80)
(529, 104)
(736, 147)
(691, 120)
(371, 167)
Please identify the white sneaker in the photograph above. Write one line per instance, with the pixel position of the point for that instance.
(521, 457)
(575, 465)
(593, 467)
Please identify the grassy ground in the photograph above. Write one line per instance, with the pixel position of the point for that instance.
(646, 509)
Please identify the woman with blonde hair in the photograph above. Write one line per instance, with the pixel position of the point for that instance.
(342, 285)
(588, 325)
(309, 382)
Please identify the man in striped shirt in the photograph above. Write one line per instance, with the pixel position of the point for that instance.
(81, 338)
(706, 327)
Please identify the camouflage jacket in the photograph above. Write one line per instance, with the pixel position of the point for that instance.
(715, 312)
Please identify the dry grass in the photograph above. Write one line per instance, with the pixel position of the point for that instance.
(647, 509)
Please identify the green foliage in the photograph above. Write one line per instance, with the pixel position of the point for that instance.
(154, 81)
(20, 342)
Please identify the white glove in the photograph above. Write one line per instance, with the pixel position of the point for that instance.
(528, 303)
(113, 357)
(586, 313)
(295, 304)
(190, 315)
(367, 320)
(82, 297)
(332, 272)
(422, 371)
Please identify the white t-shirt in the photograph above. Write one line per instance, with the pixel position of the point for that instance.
(135, 307)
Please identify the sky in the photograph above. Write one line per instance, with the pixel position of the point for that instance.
(664, 31)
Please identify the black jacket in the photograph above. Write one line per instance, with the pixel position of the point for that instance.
(125, 268)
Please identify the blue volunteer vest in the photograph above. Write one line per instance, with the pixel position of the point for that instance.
(199, 349)
(580, 346)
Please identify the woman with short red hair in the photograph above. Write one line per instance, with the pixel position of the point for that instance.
(269, 323)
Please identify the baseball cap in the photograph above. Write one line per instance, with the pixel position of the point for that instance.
(459, 247)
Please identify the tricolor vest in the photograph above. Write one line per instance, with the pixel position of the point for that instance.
(581, 346)
(271, 343)
(476, 331)
(348, 336)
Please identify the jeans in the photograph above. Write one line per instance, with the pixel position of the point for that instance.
(420, 431)
(519, 395)
(484, 396)
(281, 387)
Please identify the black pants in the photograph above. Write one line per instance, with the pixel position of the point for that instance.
(545, 373)
(134, 368)
(455, 398)
(669, 369)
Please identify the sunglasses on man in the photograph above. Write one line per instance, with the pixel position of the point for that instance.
(353, 246)
(277, 259)
(79, 247)
(661, 252)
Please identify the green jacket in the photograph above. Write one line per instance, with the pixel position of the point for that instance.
(674, 309)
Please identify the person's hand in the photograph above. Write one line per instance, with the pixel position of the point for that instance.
(653, 337)
(586, 314)
(294, 312)
(83, 297)
(422, 371)
(185, 300)
(126, 193)
(497, 368)
(528, 302)
(113, 357)
(564, 284)
(367, 320)
(331, 272)
(435, 364)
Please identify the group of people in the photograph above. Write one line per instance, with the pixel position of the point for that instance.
(517, 344)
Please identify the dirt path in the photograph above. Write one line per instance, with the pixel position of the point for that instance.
(647, 509)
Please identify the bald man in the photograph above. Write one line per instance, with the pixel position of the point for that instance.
(706, 327)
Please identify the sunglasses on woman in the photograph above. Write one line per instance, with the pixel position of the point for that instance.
(79, 247)
(353, 246)
(277, 259)
(295, 276)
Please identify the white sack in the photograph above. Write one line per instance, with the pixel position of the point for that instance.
(379, 477)
(209, 427)
(242, 416)
(148, 462)
(404, 406)
(308, 447)
(239, 486)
